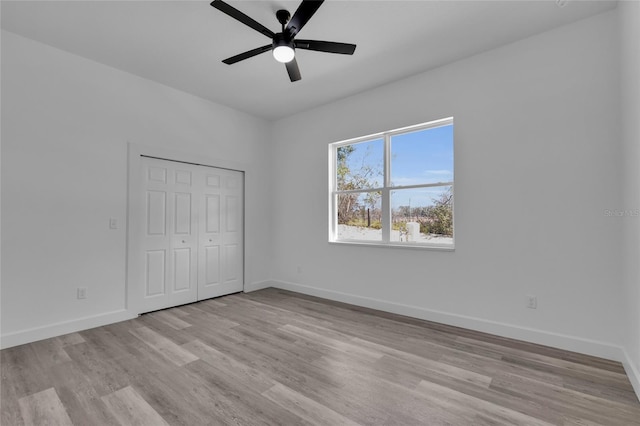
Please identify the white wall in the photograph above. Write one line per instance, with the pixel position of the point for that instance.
(629, 13)
(66, 122)
(537, 162)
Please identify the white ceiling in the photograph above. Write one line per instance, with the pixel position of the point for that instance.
(181, 43)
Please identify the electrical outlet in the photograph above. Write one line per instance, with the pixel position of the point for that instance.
(113, 223)
(82, 292)
(532, 301)
(299, 269)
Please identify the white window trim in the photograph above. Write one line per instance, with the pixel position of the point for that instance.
(385, 190)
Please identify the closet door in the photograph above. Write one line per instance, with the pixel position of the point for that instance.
(170, 234)
(221, 233)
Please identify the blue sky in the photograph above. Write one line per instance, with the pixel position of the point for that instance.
(424, 156)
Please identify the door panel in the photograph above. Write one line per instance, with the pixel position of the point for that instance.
(232, 182)
(213, 181)
(212, 214)
(157, 174)
(212, 269)
(183, 177)
(182, 214)
(231, 254)
(231, 217)
(182, 269)
(156, 212)
(155, 273)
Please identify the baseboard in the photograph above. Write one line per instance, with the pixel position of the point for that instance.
(258, 286)
(541, 337)
(632, 372)
(64, 327)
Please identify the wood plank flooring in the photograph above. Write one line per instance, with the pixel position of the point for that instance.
(275, 357)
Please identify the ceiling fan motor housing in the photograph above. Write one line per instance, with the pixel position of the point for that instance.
(282, 39)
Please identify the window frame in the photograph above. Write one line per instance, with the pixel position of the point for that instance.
(385, 189)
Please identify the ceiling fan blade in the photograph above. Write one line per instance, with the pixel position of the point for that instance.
(326, 46)
(239, 16)
(293, 70)
(248, 54)
(305, 11)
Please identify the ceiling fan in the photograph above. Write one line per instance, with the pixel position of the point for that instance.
(283, 44)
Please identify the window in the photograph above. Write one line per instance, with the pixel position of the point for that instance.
(394, 188)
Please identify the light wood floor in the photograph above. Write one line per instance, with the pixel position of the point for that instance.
(275, 357)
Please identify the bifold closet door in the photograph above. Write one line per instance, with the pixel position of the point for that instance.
(220, 252)
(170, 234)
(191, 230)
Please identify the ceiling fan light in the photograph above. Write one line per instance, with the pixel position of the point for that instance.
(283, 54)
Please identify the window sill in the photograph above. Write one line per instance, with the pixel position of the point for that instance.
(395, 245)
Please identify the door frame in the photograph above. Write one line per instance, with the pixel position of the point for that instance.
(135, 206)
